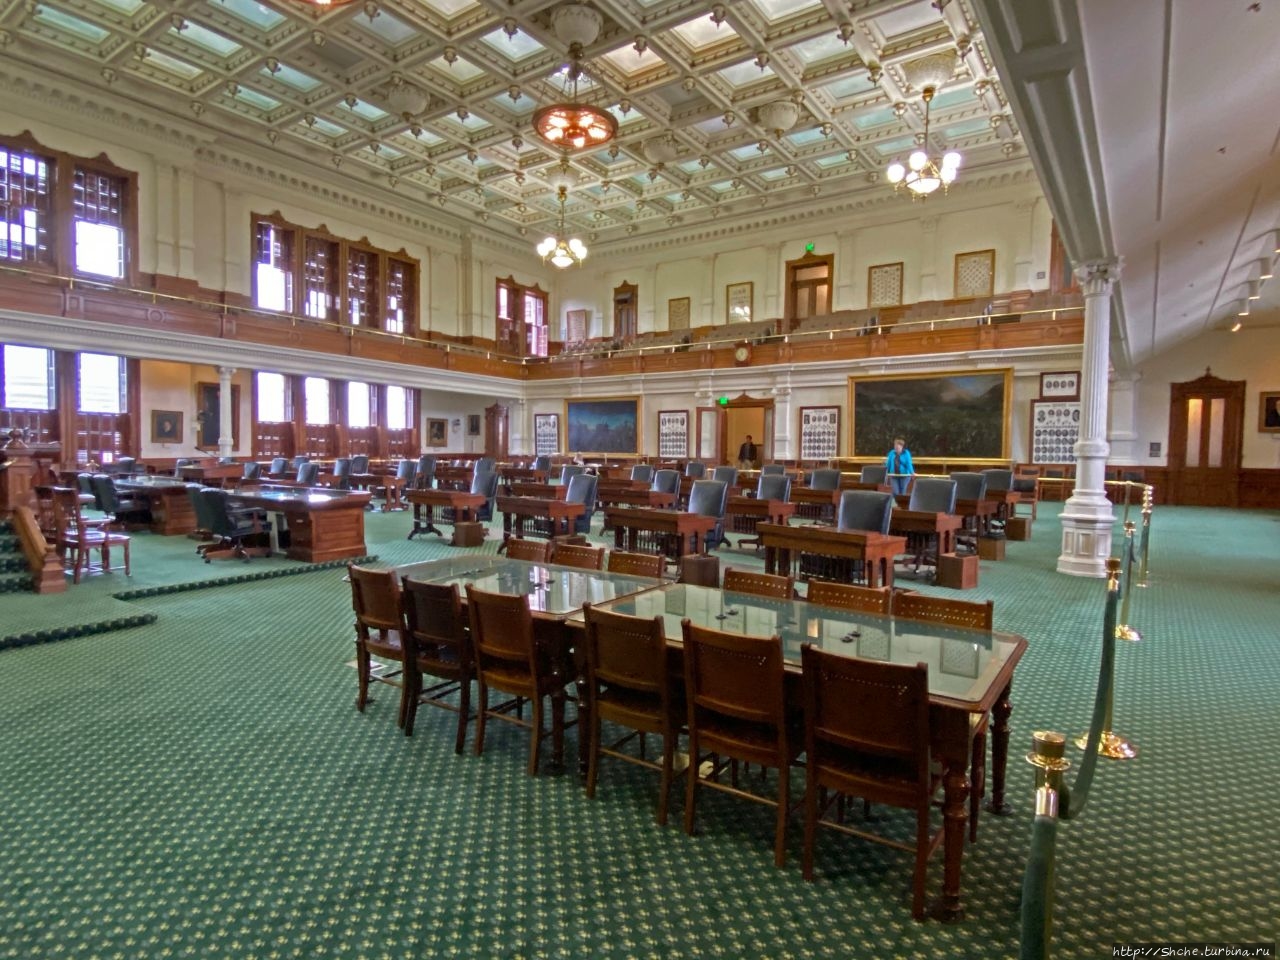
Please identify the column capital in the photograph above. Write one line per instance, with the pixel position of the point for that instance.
(226, 371)
(1097, 277)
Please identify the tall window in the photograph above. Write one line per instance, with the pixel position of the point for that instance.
(27, 380)
(358, 407)
(97, 202)
(338, 280)
(398, 403)
(101, 383)
(521, 319)
(273, 393)
(315, 391)
(24, 180)
(273, 267)
(320, 278)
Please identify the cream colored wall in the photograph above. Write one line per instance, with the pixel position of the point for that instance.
(1249, 355)
(172, 386)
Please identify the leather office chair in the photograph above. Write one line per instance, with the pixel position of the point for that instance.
(298, 461)
(969, 486)
(773, 486)
(484, 465)
(873, 473)
(642, 473)
(252, 471)
(308, 474)
(125, 466)
(437, 643)
(231, 528)
(865, 510)
(278, 466)
(727, 475)
(695, 469)
(770, 469)
(709, 499)
(825, 479)
(933, 495)
(542, 462)
(425, 478)
(666, 481)
(486, 483)
(866, 734)
(360, 464)
(570, 470)
(117, 508)
(736, 709)
(342, 473)
(628, 683)
(998, 479)
(582, 489)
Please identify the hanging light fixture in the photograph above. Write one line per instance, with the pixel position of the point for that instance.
(571, 125)
(559, 249)
(923, 174)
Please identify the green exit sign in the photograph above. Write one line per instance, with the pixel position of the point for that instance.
(808, 248)
(723, 401)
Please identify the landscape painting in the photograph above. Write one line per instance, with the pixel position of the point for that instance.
(959, 416)
(603, 426)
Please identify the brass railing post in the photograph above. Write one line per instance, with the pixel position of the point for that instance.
(1110, 744)
(1148, 496)
(1123, 630)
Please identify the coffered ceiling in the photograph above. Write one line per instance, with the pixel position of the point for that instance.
(435, 98)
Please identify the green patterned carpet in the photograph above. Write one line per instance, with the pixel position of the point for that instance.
(203, 786)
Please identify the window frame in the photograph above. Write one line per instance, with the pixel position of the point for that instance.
(60, 229)
(51, 379)
(517, 322)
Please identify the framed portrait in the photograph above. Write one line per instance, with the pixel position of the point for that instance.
(673, 434)
(473, 425)
(738, 302)
(956, 416)
(1060, 386)
(884, 285)
(209, 416)
(975, 274)
(678, 313)
(546, 434)
(819, 433)
(437, 432)
(609, 425)
(166, 426)
(1055, 428)
(1269, 411)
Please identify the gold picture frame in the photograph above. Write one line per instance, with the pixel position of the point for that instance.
(437, 432)
(956, 415)
(678, 311)
(166, 426)
(601, 426)
(1269, 411)
(739, 302)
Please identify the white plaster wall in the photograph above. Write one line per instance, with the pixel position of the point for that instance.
(172, 386)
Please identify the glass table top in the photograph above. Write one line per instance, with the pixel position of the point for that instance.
(551, 589)
(962, 663)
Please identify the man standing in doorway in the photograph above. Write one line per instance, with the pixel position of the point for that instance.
(747, 454)
(898, 465)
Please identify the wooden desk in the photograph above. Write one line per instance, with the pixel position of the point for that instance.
(815, 504)
(906, 523)
(323, 524)
(631, 493)
(678, 527)
(454, 477)
(546, 491)
(512, 475)
(394, 499)
(980, 511)
(463, 503)
(1004, 500)
(171, 509)
(214, 475)
(877, 550)
(970, 675)
(745, 514)
(517, 512)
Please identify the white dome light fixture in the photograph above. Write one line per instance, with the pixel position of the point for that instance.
(924, 174)
(558, 249)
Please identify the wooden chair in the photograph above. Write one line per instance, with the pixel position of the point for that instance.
(437, 643)
(734, 690)
(76, 539)
(759, 584)
(866, 733)
(976, 616)
(849, 596)
(375, 598)
(509, 659)
(535, 551)
(628, 683)
(576, 555)
(637, 564)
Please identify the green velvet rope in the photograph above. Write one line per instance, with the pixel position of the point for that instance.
(1072, 798)
(1037, 890)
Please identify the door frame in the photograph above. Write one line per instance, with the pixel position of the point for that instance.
(1208, 387)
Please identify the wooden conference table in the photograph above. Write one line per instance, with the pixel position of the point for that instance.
(970, 675)
(323, 524)
(171, 509)
(783, 546)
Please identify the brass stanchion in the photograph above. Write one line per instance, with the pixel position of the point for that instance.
(1123, 630)
(1111, 744)
(1047, 749)
(1148, 495)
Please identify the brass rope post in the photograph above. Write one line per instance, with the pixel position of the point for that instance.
(1123, 630)
(1110, 744)
(1148, 497)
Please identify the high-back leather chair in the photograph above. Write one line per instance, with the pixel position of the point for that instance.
(642, 473)
(773, 486)
(542, 462)
(425, 477)
(582, 489)
(666, 481)
(278, 466)
(825, 479)
(342, 473)
(360, 464)
(873, 473)
(933, 495)
(771, 468)
(308, 473)
(252, 470)
(998, 480)
(726, 475)
(865, 510)
(570, 470)
(969, 486)
(695, 469)
(709, 499)
(487, 484)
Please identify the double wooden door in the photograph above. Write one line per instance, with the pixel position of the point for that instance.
(1206, 433)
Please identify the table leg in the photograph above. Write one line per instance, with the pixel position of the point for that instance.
(955, 813)
(619, 536)
(770, 559)
(999, 750)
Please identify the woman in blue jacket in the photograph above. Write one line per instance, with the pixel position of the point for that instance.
(899, 462)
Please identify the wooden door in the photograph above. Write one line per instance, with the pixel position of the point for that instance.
(495, 432)
(1206, 434)
(626, 298)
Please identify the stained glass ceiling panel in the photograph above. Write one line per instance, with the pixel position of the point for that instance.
(257, 14)
(73, 25)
